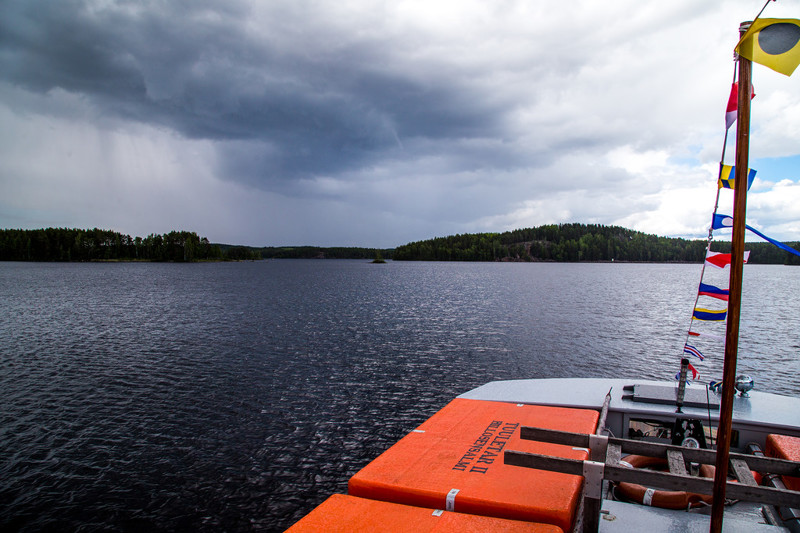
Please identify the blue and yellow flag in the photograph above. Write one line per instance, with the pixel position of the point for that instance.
(774, 43)
(727, 177)
(709, 315)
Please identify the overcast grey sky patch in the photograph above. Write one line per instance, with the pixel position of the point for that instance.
(374, 124)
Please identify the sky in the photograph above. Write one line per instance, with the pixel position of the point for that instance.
(375, 124)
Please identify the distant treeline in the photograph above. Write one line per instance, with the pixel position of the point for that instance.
(315, 252)
(562, 242)
(62, 244)
(577, 242)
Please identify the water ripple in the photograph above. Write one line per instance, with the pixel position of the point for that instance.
(238, 396)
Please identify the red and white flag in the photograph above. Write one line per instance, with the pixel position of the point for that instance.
(720, 260)
(707, 336)
(733, 104)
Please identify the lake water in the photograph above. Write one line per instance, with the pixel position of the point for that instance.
(238, 396)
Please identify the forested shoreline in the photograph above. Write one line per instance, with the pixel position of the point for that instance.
(80, 245)
(65, 244)
(577, 243)
(555, 242)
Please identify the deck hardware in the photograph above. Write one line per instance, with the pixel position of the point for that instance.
(613, 471)
(593, 479)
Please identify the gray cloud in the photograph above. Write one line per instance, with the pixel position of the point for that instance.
(303, 108)
(284, 121)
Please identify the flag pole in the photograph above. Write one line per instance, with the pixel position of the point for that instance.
(735, 288)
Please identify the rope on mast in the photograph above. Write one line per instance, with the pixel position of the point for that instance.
(710, 229)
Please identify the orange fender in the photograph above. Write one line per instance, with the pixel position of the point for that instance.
(664, 499)
(710, 470)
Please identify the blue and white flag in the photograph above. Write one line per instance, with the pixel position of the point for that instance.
(725, 221)
(691, 350)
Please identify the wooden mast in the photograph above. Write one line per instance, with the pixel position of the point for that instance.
(735, 286)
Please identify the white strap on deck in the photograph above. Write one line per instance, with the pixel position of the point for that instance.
(647, 499)
(450, 503)
(438, 512)
(593, 479)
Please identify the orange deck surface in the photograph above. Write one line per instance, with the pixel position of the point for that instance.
(461, 447)
(348, 514)
(783, 447)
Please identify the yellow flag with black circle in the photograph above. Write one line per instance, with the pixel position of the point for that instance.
(774, 43)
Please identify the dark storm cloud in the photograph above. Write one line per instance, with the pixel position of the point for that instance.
(288, 104)
(276, 121)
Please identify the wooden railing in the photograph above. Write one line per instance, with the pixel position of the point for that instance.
(604, 464)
